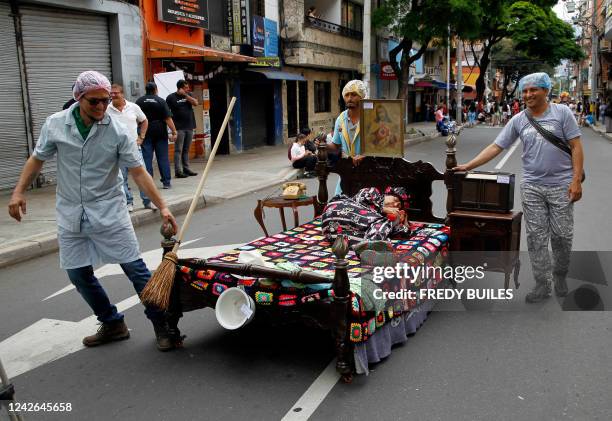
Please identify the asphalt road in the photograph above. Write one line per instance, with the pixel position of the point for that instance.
(531, 363)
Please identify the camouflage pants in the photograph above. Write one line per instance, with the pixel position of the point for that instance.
(549, 216)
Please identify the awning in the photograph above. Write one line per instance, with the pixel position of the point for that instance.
(166, 49)
(278, 75)
(442, 85)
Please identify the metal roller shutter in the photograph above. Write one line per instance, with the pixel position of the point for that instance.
(13, 140)
(58, 45)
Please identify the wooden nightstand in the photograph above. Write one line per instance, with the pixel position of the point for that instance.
(281, 203)
(487, 233)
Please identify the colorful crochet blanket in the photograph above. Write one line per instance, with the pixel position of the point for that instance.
(306, 247)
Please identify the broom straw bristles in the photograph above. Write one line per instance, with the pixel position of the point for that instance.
(158, 289)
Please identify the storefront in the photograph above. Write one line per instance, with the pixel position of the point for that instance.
(213, 72)
(40, 66)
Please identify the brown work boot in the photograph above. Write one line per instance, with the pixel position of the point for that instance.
(108, 332)
(163, 337)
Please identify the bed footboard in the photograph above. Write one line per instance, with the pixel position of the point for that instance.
(337, 317)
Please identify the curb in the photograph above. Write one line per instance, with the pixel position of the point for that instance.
(46, 243)
(603, 134)
(416, 141)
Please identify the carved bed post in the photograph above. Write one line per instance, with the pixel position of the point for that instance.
(341, 308)
(168, 242)
(174, 312)
(322, 173)
(451, 162)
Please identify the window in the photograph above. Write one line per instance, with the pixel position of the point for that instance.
(352, 15)
(215, 25)
(322, 97)
(257, 7)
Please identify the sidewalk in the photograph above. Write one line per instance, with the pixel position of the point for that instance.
(230, 176)
(601, 129)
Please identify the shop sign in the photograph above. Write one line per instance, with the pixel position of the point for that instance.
(266, 62)
(192, 13)
(271, 42)
(386, 71)
(258, 36)
(238, 22)
(220, 43)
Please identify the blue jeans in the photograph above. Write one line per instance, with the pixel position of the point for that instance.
(160, 148)
(87, 285)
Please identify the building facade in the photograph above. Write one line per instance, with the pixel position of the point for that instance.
(324, 52)
(42, 52)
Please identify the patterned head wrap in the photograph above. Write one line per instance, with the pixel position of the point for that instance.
(357, 86)
(537, 80)
(400, 193)
(90, 81)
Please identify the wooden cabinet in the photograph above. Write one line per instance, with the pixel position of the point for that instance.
(479, 237)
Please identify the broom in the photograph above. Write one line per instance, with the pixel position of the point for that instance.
(158, 289)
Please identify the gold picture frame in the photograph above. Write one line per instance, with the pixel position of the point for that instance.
(382, 127)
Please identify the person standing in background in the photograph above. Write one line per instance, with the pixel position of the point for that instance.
(132, 117)
(181, 104)
(156, 140)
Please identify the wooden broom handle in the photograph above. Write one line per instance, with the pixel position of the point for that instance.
(198, 191)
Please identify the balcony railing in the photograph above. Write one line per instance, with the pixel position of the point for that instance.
(323, 25)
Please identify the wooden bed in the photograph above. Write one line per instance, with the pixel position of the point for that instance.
(416, 177)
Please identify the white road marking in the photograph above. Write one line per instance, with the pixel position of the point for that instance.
(507, 156)
(48, 340)
(307, 404)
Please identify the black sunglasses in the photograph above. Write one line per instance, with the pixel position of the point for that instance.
(95, 101)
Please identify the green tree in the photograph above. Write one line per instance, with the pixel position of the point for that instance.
(533, 27)
(417, 23)
(515, 64)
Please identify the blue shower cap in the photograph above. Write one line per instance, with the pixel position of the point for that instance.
(538, 80)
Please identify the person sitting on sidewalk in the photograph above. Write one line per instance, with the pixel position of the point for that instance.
(302, 158)
(310, 144)
(439, 117)
(93, 224)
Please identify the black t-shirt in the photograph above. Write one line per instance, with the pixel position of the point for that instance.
(157, 111)
(182, 112)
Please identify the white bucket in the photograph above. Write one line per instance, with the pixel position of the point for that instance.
(234, 308)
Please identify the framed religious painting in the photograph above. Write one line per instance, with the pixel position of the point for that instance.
(382, 127)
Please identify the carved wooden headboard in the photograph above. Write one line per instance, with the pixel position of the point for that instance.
(416, 177)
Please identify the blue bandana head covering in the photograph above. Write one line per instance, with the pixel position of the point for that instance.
(538, 80)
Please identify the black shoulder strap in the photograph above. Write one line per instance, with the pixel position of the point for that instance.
(548, 135)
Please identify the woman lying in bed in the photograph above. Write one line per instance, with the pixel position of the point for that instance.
(369, 215)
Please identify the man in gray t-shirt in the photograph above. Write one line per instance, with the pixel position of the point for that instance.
(551, 182)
